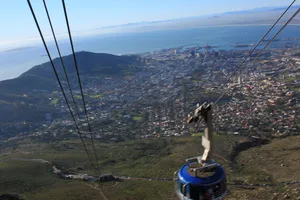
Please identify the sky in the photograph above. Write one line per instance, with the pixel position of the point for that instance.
(17, 25)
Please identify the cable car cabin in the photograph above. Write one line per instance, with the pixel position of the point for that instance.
(202, 178)
(206, 182)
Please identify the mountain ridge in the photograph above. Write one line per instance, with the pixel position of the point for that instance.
(42, 77)
(27, 96)
(247, 11)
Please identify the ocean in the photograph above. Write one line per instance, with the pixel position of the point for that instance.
(14, 63)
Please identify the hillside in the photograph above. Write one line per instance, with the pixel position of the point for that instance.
(41, 77)
(249, 177)
(26, 97)
(88, 63)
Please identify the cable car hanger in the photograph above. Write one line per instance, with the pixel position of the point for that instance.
(201, 177)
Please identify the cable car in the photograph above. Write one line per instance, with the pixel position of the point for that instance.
(201, 178)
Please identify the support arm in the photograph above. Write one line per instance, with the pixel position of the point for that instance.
(204, 111)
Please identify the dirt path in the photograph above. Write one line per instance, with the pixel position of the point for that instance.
(33, 160)
(292, 182)
(98, 189)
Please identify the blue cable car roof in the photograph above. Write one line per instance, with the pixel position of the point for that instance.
(185, 177)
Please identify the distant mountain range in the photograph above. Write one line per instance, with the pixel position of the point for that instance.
(262, 9)
(257, 16)
(255, 10)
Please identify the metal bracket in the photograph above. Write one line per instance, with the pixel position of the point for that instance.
(205, 168)
(193, 159)
(204, 111)
(201, 111)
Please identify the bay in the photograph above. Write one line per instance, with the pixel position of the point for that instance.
(14, 63)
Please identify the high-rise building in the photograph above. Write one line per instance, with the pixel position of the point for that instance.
(239, 80)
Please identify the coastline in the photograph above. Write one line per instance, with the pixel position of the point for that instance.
(142, 42)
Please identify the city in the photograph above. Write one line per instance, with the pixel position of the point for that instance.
(260, 99)
(161, 100)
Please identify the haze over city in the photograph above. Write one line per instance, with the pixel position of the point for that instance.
(19, 27)
(150, 100)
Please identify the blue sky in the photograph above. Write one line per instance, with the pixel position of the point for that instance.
(17, 24)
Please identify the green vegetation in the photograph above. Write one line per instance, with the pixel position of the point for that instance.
(75, 190)
(139, 190)
(270, 163)
(277, 160)
(296, 89)
(22, 176)
(197, 134)
(77, 96)
(54, 101)
(35, 181)
(123, 158)
(95, 64)
(16, 103)
(137, 118)
(290, 79)
(151, 158)
(96, 96)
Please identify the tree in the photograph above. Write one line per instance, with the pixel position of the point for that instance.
(145, 116)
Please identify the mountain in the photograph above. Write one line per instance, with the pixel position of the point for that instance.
(216, 15)
(41, 77)
(90, 64)
(27, 96)
(256, 10)
(283, 8)
(257, 16)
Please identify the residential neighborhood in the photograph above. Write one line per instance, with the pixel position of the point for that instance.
(261, 98)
